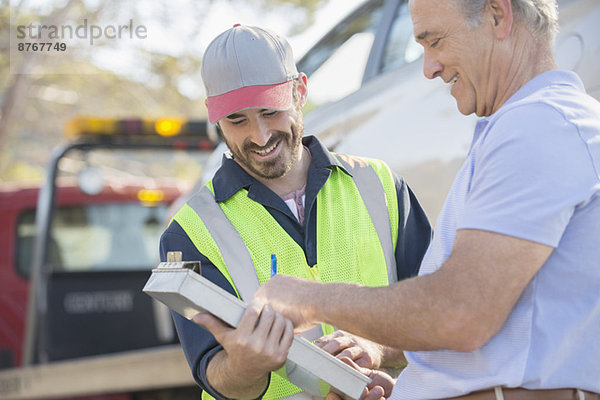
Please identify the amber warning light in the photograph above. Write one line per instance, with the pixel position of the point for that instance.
(168, 127)
(150, 196)
(172, 127)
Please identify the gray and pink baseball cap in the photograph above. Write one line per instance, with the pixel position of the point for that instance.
(247, 67)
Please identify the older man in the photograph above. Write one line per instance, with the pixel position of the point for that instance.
(506, 304)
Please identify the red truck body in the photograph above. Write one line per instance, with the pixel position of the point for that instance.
(19, 201)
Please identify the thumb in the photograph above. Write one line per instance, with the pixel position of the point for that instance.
(213, 324)
(376, 393)
(332, 396)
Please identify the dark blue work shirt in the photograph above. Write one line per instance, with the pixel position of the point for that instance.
(414, 234)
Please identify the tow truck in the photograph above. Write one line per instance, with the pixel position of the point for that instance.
(74, 322)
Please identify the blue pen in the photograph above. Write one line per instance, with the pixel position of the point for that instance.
(273, 265)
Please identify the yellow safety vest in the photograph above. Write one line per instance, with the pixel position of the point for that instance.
(349, 239)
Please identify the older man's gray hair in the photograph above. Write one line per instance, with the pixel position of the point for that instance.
(540, 16)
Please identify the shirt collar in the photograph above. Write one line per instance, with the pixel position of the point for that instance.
(548, 78)
(554, 77)
(231, 177)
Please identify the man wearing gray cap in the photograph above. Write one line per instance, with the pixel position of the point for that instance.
(281, 203)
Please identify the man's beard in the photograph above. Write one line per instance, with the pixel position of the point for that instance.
(278, 166)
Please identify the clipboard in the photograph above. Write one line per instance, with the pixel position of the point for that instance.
(180, 286)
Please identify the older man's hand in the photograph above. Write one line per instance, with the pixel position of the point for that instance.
(292, 297)
(363, 352)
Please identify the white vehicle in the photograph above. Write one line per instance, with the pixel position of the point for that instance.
(368, 95)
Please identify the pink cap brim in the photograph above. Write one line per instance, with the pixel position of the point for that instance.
(277, 97)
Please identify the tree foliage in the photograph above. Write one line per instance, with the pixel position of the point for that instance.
(39, 94)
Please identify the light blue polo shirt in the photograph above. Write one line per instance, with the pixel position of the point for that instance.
(532, 172)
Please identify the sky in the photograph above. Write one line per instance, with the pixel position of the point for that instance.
(223, 14)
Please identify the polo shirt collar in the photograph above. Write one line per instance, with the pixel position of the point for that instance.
(545, 79)
(548, 78)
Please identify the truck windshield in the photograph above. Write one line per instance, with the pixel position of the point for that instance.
(112, 236)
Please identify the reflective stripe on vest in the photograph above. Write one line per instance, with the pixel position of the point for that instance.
(232, 247)
(373, 194)
(239, 235)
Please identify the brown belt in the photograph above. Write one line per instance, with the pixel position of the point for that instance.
(525, 394)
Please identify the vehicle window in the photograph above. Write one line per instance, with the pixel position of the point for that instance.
(401, 47)
(336, 65)
(95, 237)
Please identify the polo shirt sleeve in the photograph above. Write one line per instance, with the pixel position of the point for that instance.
(527, 176)
(414, 231)
(198, 344)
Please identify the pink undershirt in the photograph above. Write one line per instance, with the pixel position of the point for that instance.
(295, 200)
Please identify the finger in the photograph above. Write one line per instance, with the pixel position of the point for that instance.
(265, 322)
(365, 371)
(364, 361)
(358, 355)
(277, 329)
(379, 380)
(376, 393)
(213, 324)
(280, 339)
(323, 340)
(383, 380)
(334, 346)
(350, 362)
(273, 351)
(353, 353)
(332, 396)
(288, 335)
(250, 317)
(326, 338)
